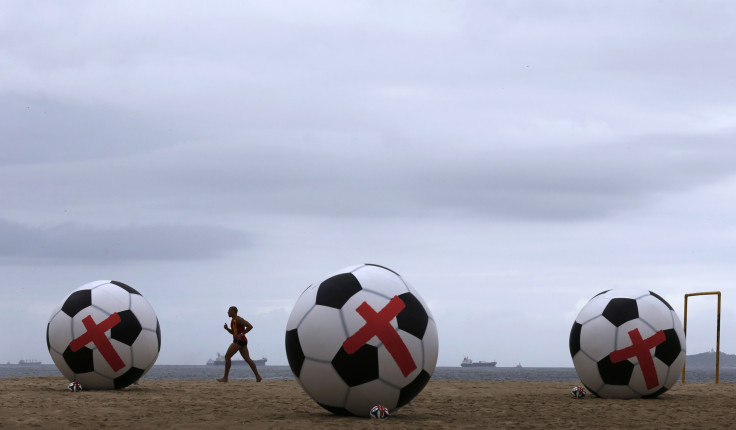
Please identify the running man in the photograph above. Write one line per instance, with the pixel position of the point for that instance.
(238, 328)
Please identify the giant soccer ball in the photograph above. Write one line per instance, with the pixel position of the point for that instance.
(104, 335)
(359, 338)
(627, 343)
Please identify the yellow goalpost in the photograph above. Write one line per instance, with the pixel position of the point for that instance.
(718, 329)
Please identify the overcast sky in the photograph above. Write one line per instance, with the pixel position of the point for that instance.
(509, 159)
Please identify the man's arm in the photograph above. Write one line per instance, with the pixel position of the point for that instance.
(248, 326)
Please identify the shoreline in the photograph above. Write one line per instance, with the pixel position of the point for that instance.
(44, 402)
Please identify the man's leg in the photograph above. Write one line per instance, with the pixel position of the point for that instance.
(231, 350)
(246, 356)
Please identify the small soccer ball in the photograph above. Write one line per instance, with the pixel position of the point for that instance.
(379, 411)
(578, 392)
(104, 335)
(359, 338)
(627, 343)
(74, 387)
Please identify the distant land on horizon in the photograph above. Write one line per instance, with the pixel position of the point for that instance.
(707, 360)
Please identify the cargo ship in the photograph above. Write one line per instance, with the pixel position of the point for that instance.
(470, 363)
(220, 361)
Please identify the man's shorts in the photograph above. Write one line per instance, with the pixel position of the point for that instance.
(241, 343)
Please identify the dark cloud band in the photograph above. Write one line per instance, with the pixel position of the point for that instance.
(72, 242)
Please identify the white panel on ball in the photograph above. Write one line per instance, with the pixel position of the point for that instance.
(329, 323)
(323, 384)
(61, 333)
(145, 349)
(430, 352)
(598, 338)
(302, 307)
(144, 312)
(390, 283)
(110, 298)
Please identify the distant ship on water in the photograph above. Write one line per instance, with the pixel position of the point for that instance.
(220, 361)
(29, 362)
(467, 362)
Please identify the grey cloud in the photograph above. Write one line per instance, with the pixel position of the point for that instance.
(581, 182)
(39, 130)
(71, 242)
(554, 182)
(344, 176)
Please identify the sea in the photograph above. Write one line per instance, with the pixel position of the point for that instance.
(204, 372)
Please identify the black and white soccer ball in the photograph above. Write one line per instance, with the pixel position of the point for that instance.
(627, 343)
(104, 335)
(359, 338)
(74, 387)
(578, 392)
(379, 412)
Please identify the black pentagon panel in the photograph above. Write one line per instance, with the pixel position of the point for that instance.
(359, 367)
(337, 410)
(655, 394)
(335, 291)
(294, 352)
(127, 288)
(128, 329)
(668, 351)
(620, 310)
(661, 300)
(48, 343)
(575, 338)
(413, 318)
(80, 361)
(133, 374)
(158, 334)
(615, 373)
(413, 388)
(77, 301)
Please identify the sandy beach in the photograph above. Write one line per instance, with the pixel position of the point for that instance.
(44, 402)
